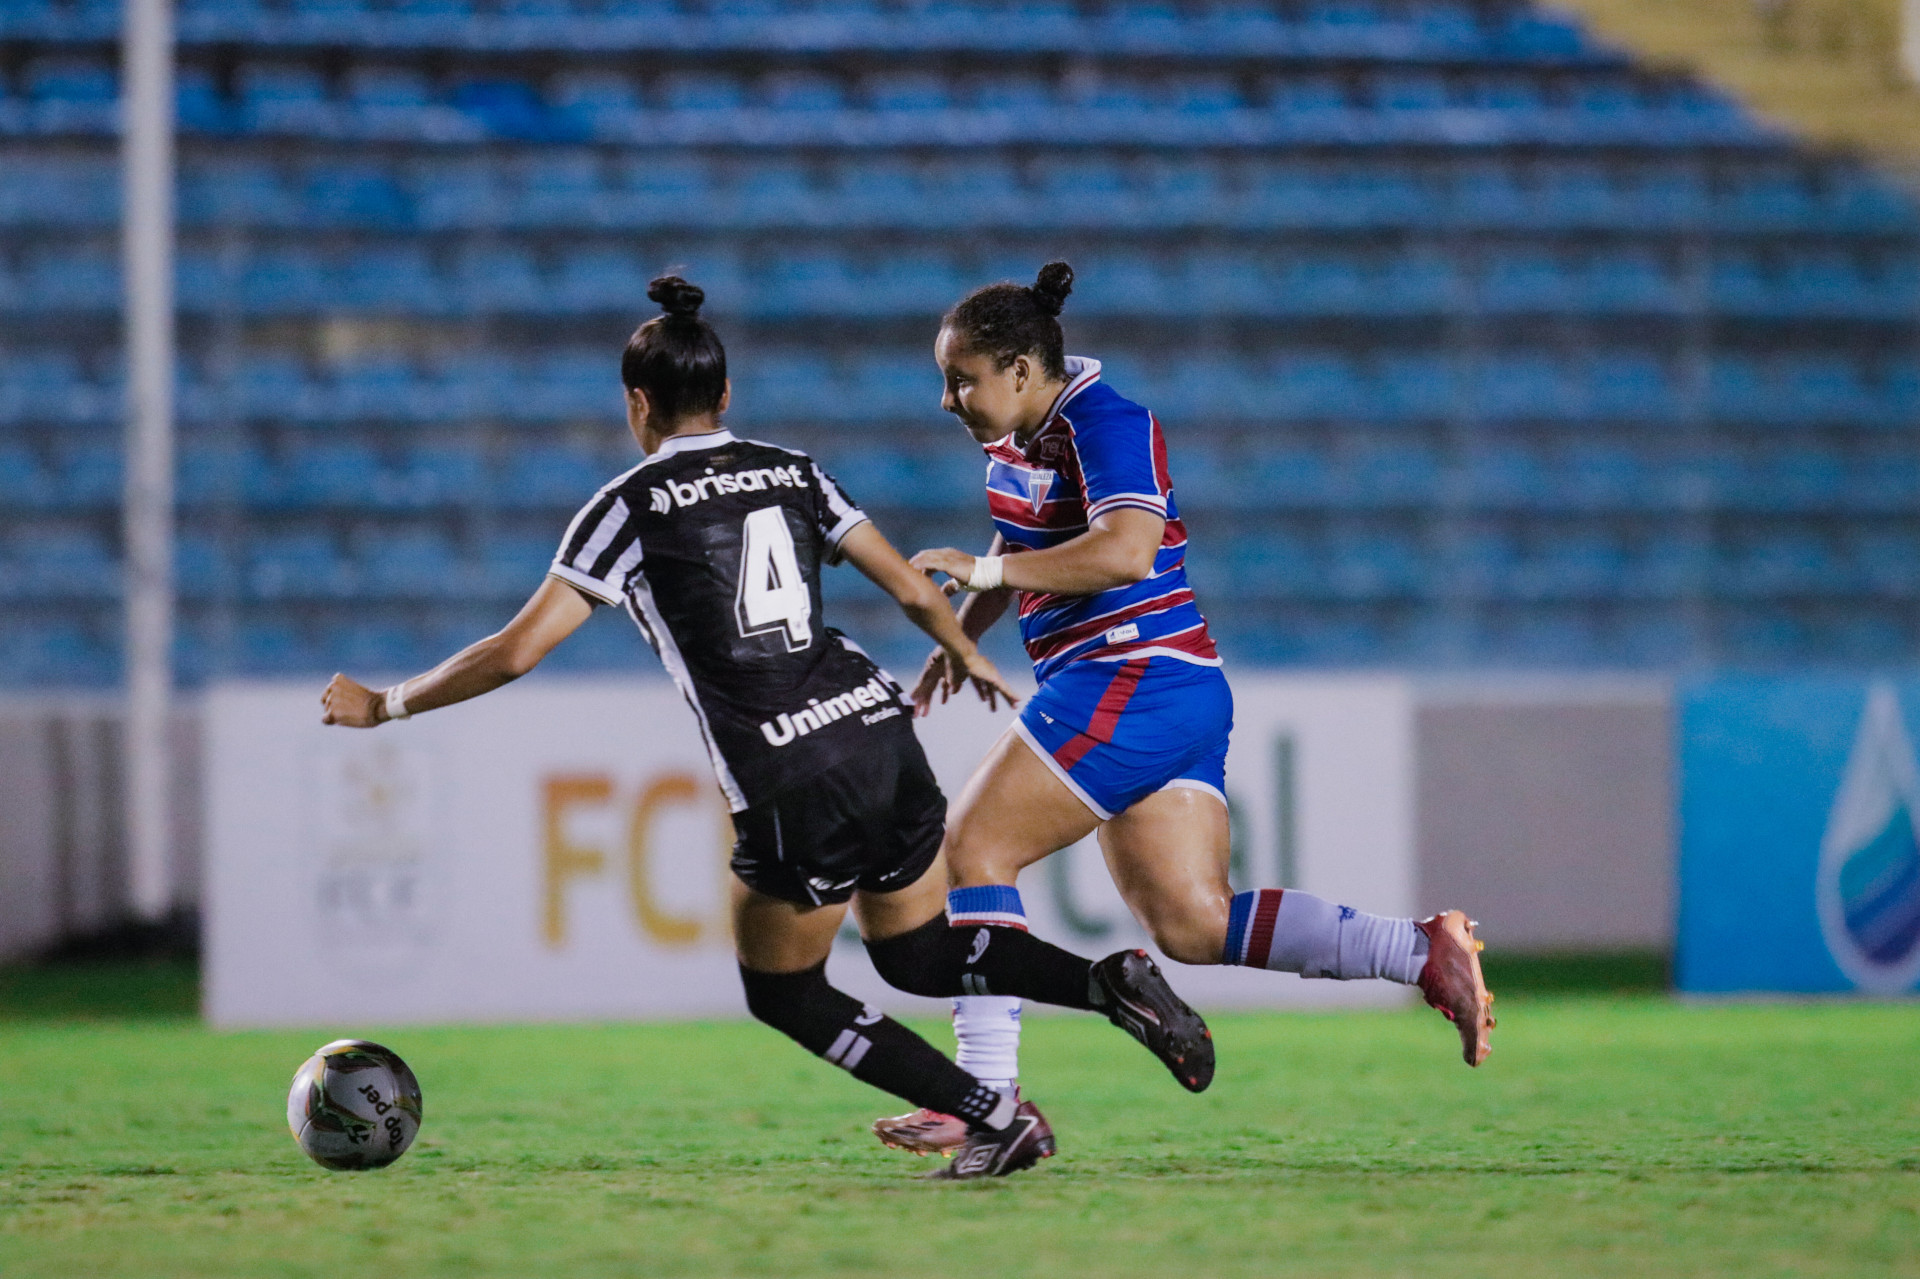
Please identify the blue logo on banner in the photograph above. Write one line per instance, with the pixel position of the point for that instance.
(1799, 835)
(1868, 888)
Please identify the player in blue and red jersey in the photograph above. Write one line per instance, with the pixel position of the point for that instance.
(1128, 732)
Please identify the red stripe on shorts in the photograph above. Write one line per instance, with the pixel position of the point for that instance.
(1260, 928)
(1106, 715)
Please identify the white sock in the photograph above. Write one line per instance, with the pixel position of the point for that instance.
(1296, 932)
(987, 1029)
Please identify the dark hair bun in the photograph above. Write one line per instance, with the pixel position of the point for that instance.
(677, 297)
(1051, 286)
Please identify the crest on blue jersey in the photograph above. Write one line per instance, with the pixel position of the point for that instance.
(1039, 484)
(1868, 888)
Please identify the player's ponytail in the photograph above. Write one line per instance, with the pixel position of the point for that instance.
(676, 357)
(1010, 320)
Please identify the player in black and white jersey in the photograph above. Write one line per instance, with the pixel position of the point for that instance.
(714, 546)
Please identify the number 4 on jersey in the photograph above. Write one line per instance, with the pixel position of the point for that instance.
(773, 594)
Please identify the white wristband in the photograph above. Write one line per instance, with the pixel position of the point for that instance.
(987, 572)
(397, 702)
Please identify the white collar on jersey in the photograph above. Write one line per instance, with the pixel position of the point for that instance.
(684, 443)
(1082, 373)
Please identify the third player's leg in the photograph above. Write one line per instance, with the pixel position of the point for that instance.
(1168, 856)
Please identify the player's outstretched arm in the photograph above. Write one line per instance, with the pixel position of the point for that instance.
(555, 612)
(1117, 550)
(925, 605)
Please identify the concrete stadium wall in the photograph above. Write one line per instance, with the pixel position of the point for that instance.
(63, 869)
(1543, 805)
(1546, 808)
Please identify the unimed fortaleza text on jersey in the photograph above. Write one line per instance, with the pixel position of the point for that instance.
(714, 546)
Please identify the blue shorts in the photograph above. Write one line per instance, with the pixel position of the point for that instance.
(1116, 732)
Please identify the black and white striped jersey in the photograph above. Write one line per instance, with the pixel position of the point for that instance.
(714, 545)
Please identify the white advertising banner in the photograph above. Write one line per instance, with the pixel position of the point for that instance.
(558, 850)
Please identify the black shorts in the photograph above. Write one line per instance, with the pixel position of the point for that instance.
(872, 822)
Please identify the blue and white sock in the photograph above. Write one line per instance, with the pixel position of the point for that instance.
(1294, 932)
(987, 1031)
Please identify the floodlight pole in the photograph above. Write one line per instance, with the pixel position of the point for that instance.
(146, 131)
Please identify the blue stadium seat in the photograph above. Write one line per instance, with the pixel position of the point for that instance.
(61, 561)
(497, 277)
(1508, 476)
(1414, 384)
(297, 565)
(24, 483)
(237, 192)
(60, 78)
(1628, 280)
(417, 563)
(392, 277)
(600, 278)
(70, 279)
(1390, 475)
(510, 564)
(701, 92)
(375, 648)
(199, 107)
(442, 476)
(1785, 562)
(598, 104)
(1886, 563)
(379, 387)
(660, 188)
(89, 475)
(271, 647)
(333, 474)
(60, 191)
(281, 280)
(1317, 385)
(211, 475)
(359, 195)
(1824, 389)
(544, 476)
(286, 98)
(1517, 385)
(1631, 386)
(1532, 280)
(505, 109)
(203, 566)
(55, 653)
(456, 192)
(1289, 476)
(1373, 565)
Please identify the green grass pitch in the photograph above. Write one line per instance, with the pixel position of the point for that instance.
(1608, 1135)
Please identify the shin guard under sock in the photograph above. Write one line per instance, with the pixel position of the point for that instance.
(1295, 932)
(870, 1046)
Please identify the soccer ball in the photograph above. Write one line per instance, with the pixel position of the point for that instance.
(354, 1105)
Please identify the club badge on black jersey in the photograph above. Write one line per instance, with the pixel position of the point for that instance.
(714, 546)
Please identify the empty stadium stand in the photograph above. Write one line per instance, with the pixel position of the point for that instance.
(1478, 343)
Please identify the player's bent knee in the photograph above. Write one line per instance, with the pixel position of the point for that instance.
(802, 1005)
(916, 961)
(1183, 942)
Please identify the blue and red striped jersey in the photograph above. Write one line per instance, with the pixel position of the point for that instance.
(1097, 452)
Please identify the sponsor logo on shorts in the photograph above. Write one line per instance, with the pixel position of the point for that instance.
(1121, 634)
(873, 701)
(685, 493)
